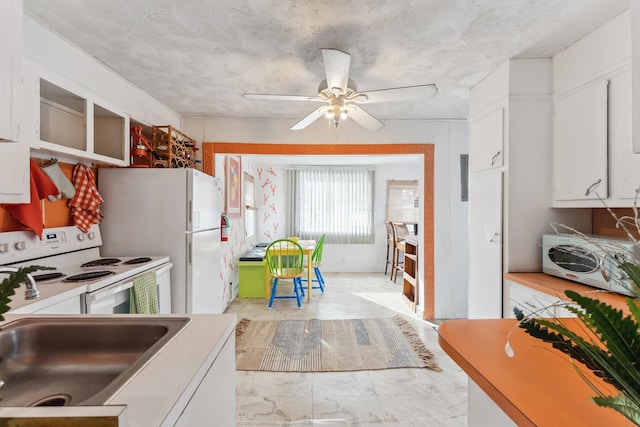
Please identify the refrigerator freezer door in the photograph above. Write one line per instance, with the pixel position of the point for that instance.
(205, 201)
(206, 292)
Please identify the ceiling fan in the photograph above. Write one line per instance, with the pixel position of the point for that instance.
(341, 95)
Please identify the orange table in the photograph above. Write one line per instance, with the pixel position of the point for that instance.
(535, 388)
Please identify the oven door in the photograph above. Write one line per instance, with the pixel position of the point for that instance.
(113, 299)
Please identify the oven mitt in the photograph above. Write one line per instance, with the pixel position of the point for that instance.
(61, 181)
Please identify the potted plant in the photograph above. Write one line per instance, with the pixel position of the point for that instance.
(608, 341)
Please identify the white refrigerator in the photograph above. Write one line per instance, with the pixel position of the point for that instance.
(174, 212)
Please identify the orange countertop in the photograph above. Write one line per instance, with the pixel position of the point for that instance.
(556, 286)
(537, 387)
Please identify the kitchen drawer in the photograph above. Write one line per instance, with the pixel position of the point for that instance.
(529, 300)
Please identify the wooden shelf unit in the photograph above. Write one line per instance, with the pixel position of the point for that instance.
(410, 274)
(176, 149)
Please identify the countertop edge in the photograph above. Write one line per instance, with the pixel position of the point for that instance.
(485, 384)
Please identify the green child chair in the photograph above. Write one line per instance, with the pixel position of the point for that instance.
(316, 262)
(285, 261)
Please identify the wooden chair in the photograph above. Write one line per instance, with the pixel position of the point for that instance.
(390, 246)
(400, 232)
(316, 262)
(285, 261)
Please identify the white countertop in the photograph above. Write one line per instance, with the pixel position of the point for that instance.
(158, 393)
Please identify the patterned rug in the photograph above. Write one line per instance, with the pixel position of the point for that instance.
(329, 345)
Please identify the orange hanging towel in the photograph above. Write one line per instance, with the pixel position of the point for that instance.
(30, 214)
(85, 206)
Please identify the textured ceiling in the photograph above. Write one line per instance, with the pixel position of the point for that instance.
(199, 56)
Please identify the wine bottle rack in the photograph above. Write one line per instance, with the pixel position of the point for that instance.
(176, 150)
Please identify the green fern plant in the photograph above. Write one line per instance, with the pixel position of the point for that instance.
(9, 284)
(610, 347)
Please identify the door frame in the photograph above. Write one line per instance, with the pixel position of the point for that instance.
(210, 149)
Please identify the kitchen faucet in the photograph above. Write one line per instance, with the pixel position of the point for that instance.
(32, 291)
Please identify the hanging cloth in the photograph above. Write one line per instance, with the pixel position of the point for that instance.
(30, 214)
(85, 205)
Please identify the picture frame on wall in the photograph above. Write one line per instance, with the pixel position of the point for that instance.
(232, 188)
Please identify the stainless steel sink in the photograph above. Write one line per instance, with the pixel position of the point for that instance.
(76, 361)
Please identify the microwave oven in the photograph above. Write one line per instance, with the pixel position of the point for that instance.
(591, 260)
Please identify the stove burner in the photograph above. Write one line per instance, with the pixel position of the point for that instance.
(47, 276)
(101, 261)
(88, 276)
(140, 260)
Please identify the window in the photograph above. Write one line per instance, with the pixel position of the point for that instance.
(250, 210)
(402, 201)
(336, 202)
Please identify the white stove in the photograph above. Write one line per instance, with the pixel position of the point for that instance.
(75, 257)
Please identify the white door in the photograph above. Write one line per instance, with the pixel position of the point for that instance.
(485, 246)
(205, 294)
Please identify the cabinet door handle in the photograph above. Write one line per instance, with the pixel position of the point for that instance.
(494, 158)
(592, 187)
(494, 237)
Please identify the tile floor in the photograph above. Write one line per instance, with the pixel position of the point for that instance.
(392, 397)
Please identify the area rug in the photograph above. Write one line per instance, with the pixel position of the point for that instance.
(330, 345)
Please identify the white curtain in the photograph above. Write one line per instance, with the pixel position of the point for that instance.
(336, 202)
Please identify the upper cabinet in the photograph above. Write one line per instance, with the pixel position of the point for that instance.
(14, 155)
(68, 120)
(10, 69)
(593, 155)
(635, 58)
(487, 133)
(580, 135)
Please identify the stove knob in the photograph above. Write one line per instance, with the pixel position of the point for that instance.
(81, 237)
(20, 246)
(4, 247)
(92, 235)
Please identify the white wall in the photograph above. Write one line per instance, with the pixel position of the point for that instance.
(450, 140)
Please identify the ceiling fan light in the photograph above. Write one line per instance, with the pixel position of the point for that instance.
(328, 114)
(344, 114)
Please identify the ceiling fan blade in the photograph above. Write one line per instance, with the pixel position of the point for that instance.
(396, 94)
(336, 67)
(365, 119)
(273, 97)
(309, 119)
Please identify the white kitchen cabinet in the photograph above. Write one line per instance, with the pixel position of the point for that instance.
(66, 119)
(68, 306)
(580, 132)
(14, 154)
(634, 6)
(10, 69)
(487, 136)
(593, 129)
(521, 90)
(485, 243)
(214, 401)
(529, 300)
(14, 173)
(483, 411)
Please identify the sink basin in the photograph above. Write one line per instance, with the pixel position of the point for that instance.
(61, 361)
